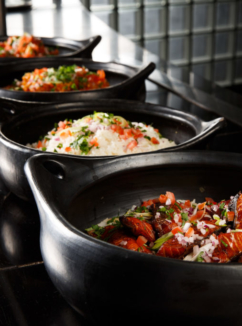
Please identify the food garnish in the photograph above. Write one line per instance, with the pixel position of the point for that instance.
(26, 46)
(101, 134)
(208, 232)
(61, 79)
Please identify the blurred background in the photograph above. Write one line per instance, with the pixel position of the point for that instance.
(202, 35)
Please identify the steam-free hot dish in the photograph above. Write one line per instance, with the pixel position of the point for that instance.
(26, 46)
(61, 79)
(208, 232)
(101, 134)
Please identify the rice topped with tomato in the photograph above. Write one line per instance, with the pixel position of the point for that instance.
(101, 134)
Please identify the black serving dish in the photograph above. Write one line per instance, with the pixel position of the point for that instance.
(185, 129)
(67, 48)
(125, 82)
(99, 279)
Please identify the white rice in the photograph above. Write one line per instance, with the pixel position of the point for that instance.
(109, 141)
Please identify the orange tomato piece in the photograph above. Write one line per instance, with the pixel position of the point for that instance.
(65, 134)
(150, 202)
(162, 199)
(201, 206)
(68, 149)
(132, 144)
(128, 133)
(136, 133)
(210, 200)
(187, 204)
(154, 140)
(141, 240)
(94, 142)
(189, 232)
(197, 216)
(171, 196)
(230, 216)
(39, 144)
(101, 74)
(176, 230)
(118, 129)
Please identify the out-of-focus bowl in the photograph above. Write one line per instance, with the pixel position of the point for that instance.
(125, 82)
(67, 48)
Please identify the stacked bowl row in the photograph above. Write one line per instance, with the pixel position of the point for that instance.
(74, 192)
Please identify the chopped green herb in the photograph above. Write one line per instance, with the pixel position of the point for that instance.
(141, 209)
(178, 206)
(147, 137)
(59, 145)
(222, 206)
(225, 244)
(199, 257)
(43, 149)
(159, 242)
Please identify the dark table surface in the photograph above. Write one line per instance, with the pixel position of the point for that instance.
(27, 296)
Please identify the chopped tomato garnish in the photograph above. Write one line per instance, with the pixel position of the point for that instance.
(189, 232)
(65, 134)
(197, 216)
(39, 144)
(201, 206)
(88, 119)
(162, 199)
(68, 149)
(171, 196)
(118, 129)
(154, 140)
(128, 133)
(94, 142)
(101, 74)
(187, 204)
(230, 216)
(61, 125)
(136, 133)
(147, 203)
(132, 144)
(141, 240)
(210, 200)
(176, 230)
(117, 122)
(150, 202)
(156, 130)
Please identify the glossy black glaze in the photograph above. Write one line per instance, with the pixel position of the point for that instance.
(19, 230)
(67, 48)
(28, 298)
(125, 82)
(96, 277)
(185, 129)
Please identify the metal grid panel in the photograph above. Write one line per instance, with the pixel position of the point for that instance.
(204, 35)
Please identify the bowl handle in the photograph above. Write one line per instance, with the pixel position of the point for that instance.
(213, 125)
(141, 74)
(10, 108)
(207, 129)
(53, 173)
(88, 46)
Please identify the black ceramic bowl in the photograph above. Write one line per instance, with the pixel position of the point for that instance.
(117, 285)
(125, 82)
(185, 129)
(67, 48)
